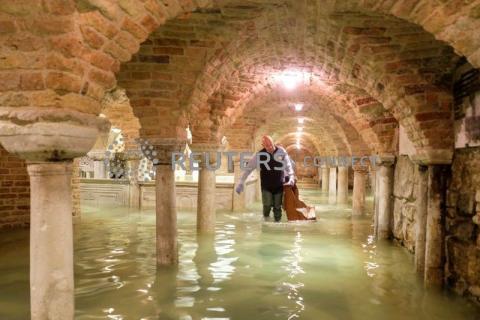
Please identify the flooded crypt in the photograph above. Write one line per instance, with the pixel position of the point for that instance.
(234, 159)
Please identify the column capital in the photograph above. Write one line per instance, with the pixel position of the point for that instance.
(160, 150)
(136, 154)
(97, 155)
(432, 156)
(49, 168)
(49, 134)
(360, 169)
(385, 159)
(206, 147)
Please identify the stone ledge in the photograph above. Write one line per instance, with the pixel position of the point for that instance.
(433, 157)
(49, 134)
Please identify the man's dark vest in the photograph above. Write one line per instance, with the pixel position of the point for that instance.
(271, 180)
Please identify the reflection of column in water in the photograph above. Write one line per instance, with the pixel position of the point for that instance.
(187, 277)
(222, 269)
(214, 264)
(369, 248)
(165, 288)
(204, 256)
(381, 271)
(293, 268)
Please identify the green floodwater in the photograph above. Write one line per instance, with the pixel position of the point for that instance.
(250, 269)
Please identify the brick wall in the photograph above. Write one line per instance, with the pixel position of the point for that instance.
(14, 191)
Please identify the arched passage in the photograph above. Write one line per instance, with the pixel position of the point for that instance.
(371, 66)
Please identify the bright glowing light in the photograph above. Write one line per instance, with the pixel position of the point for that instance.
(299, 129)
(298, 106)
(299, 134)
(298, 145)
(116, 130)
(301, 120)
(291, 79)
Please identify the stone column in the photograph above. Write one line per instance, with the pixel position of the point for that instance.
(375, 200)
(134, 186)
(342, 195)
(258, 194)
(332, 187)
(325, 176)
(421, 218)
(51, 241)
(206, 199)
(384, 193)
(98, 157)
(358, 197)
(75, 186)
(435, 233)
(99, 169)
(373, 179)
(239, 200)
(49, 139)
(165, 201)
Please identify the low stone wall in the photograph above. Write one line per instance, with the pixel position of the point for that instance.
(116, 193)
(404, 202)
(14, 191)
(186, 195)
(104, 192)
(462, 224)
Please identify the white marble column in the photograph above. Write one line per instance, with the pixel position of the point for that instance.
(165, 202)
(134, 186)
(325, 176)
(332, 187)
(258, 185)
(373, 179)
(375, 200)
(99, 169)
(239, 200)
(166, 215)
(435, 228)
(358, 196)
(385, 205)
(51, 241)
(49, 138)
(421, 218)
(342, 195)
(206, 200)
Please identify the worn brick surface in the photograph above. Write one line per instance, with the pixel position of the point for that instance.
(14, 191)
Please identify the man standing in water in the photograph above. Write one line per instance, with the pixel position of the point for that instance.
(276, 170)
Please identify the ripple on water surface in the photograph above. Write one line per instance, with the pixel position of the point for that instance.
(248, 269)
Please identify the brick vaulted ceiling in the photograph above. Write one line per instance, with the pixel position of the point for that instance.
(371, 65)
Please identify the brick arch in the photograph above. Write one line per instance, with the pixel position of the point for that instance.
(81, 45)
(409, 88)
(317, 145)
(327, 133)
(365, 126)
(116, 107)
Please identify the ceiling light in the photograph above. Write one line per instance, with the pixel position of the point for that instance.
(301, 120)
(299, 129)
(298, 106)
(290, 79)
